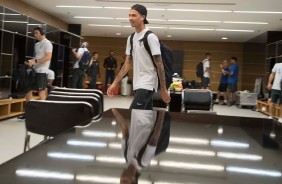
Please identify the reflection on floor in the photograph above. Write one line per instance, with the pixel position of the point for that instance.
(12, 131)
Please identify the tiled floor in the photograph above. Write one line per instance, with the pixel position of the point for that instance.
(12, 131)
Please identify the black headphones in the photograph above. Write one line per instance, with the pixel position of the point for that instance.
(41, 29)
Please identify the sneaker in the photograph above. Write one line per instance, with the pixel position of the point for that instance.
(22, 118)
(215, 102)
(224, 103)
(280, 120)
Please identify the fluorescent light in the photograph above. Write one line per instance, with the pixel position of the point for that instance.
(168, 36)
(117, 160)
(88, 7)
(118, 8)
(195, 141)
(83, 17)
(34, 24)
(235, 30)
(161, 20)
(192, 29)
(127, 26)
(191, 152)
(71, 156)
(154, 27)
(239, 156)
(12, 14)
(254, 171)
(219, 130)
(115, 145)
(194, 10)
(114, 123)
(193, 166)
(44, 174)
(229, 144)
(97, 179)
(122, 18)
(236, 22)
(261, 12)
(86, 144)
(200, 21)
(102, 134)
(156, 9)
(19, 22)
(102, 25)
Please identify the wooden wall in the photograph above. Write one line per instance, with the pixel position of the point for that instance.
(194, 52)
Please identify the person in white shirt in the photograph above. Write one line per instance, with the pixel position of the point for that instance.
(50, 80)
(206, 69)
(41, 63)
(275, 89)
(145, 74)
(78, 73)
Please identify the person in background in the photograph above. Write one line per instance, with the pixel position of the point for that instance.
(124, 80)
(223, 84)
(41, 62)
(275, 88)
(206, 69)
(93, 70)
(233, 80)
(110, 63)
(50, 80)
(146, 70)
(78, 73)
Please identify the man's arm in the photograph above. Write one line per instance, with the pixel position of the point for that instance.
(270, 79)
(157, 130)
(160, 69)
(105, 63)
(76, 54)
(126, 67)
(47, 57)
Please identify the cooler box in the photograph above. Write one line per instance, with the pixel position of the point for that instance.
(246, 99)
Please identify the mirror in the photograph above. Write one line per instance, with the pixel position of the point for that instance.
(53, 34)
(14, 22)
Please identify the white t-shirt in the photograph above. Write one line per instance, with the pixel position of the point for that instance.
(50, 75)
(80, 51)
(144, 72)
(206, 64)
(277, 69)
(41, 48)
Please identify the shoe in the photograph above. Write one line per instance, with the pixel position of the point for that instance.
(215, 102)
(280, 120)
(224, 103)
(22, 118)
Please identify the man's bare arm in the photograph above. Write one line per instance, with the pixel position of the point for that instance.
(124, 70)
(160, 69)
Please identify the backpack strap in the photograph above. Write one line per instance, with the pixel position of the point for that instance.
(131, 43)
(147, 46)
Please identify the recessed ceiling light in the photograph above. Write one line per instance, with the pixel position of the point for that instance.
(83, 17)
(262, 12)
(118, 34)
(67, 6)
(118, 8)
(224, 38)
(235, 30)
(236, 22)
(202, 21)
(168, 36)
(194, 10)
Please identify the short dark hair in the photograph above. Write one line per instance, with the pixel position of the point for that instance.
(208, 54)
(111, 51)
(234, 58)
(40, 29)
(94, 53)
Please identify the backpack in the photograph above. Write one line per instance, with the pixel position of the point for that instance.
(200, 69)
(85, 60)
(23, 77)
(167, 56)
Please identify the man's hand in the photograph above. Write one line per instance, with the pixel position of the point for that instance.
(165, 96)
(269, 86)
(110, 91)
(30, 62)
(221, 66)
(74, 50)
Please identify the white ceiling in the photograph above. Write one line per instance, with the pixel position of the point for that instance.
(274, 20)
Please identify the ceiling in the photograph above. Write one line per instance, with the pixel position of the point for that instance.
(168, 20)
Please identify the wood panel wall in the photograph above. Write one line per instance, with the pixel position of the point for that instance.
(194, 52)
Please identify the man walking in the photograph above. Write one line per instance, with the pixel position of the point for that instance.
(145, 74)
(233, 80)
(110, 63)
(78, 73)
(93, 70)
(206, 69)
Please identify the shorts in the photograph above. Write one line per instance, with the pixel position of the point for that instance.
(275, 95)
(232, 87)
(205, 82)
(143, 99)
(222, 87)
(40, 82)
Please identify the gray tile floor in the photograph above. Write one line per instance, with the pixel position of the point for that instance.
(12, 131)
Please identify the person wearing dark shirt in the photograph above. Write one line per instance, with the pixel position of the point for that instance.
(110, 63)
(223, 85)
(93, 71)
(233, 79)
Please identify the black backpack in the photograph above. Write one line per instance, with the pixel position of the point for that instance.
(23, 77)
(167, 56)
(85, 60)
(200, 69)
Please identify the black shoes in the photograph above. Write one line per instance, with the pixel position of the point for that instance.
(22, 118)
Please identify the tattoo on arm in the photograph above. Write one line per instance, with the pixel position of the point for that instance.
(160, 69)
